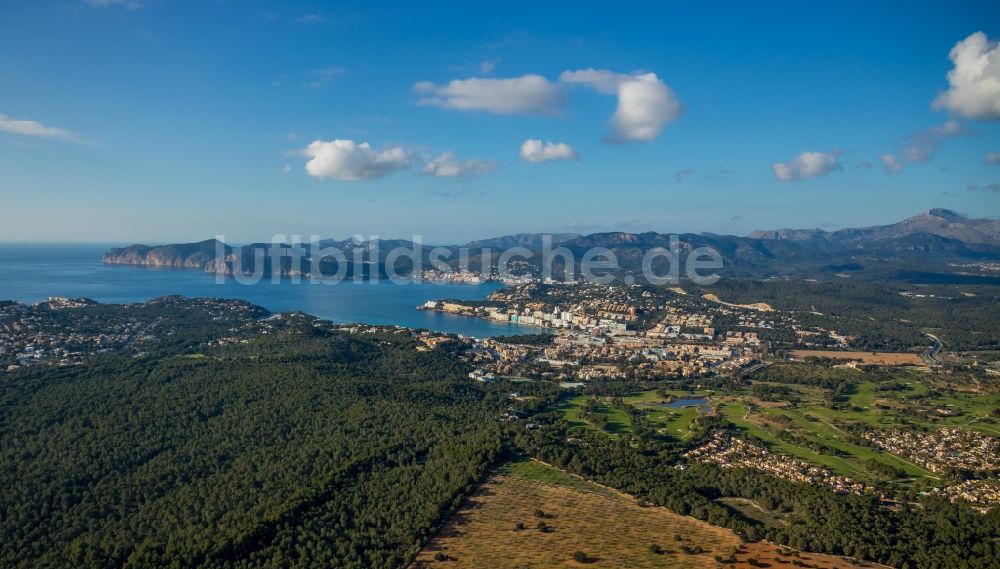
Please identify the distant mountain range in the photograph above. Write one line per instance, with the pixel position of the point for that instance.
(940, 222)
(936, 246)
(531, 241)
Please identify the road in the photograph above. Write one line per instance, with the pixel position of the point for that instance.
(931, 353)
(749, 370)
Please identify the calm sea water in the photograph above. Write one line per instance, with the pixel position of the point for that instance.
(33, 272)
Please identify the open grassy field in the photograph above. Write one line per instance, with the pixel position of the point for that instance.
(849, 460)
(545, 474)
(877, 358)
(610, 528)
(754, 511)
(761, 306)
(812, 422)
(618, 422)
(813, 428)
(675, 422)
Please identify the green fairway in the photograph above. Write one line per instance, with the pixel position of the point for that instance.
(674, 422)
(737, 414)
(810, 428)
(863, 395)
(539, 472)
(570, 409)
(617, 423)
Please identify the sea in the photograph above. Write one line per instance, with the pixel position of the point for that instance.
(31, 272)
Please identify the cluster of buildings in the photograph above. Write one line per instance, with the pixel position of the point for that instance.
(61, 331)
(983, 493)
(650, 357)
(943, 449)
(988, 266)
(534, 316)
(463, 277)
(489, 358)
(582, 356)
(731, 452)
(612, 331)
(912, 294)
(34, 334)
(473, 277)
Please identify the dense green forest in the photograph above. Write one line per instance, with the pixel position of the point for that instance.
(309, 447)
(883, 316)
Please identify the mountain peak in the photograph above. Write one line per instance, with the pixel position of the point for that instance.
(946, 214)
(936, 221)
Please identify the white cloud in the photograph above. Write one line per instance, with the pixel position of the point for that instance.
(488, 65)
(948, 129)
(533, 150)
(986, 188)
(528, 94)
(323, 77)
(604, 81)
(807, 165)
(37, 129)
(921, 146)
(891, 163)
(992, 158)
(446, 165)
(645, 103)
(128, 4)
(974, 90)
(348, 160)
(311, 19)
(681, 174)
(920, 153)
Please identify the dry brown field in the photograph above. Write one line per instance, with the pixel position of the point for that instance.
(611, 528)
(877, 358)
(769, 554)
(760, 306)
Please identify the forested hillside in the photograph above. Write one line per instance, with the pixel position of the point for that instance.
(882, 316)
(309, 447)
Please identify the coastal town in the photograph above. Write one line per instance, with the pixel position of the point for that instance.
(600, 331)
(63, 331)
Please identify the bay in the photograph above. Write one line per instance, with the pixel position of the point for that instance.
(30, 272)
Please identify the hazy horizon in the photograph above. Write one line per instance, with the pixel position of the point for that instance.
(344, 237)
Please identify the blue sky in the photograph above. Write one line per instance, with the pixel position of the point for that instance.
(162, 121)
